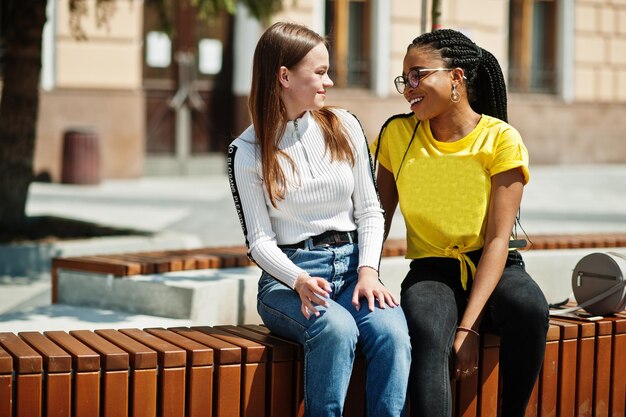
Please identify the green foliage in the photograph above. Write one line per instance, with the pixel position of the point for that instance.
(263, 10)
(208, 10)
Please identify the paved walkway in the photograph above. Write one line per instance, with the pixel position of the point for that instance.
(559, 199)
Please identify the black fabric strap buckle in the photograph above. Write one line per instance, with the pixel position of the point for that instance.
(329, 238)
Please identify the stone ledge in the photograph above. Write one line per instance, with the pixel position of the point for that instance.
(228, 295)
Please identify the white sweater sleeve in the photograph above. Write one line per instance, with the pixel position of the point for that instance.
(368, 212)
(248, 194)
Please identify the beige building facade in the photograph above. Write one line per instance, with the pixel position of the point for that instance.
(564, 61)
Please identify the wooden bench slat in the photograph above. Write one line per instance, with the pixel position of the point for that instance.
(6, 383)
(55, 359)
(84, 359)
(27, 360)
(112, 358)
(6, 395)
(97, 264)
(227, 371)
(281, 369)
(197, 353)
(143, 372)
(114, 364)
(224, 353)
(141, 356)
(169, 355)
(199, 370)
(252, 351)
(280, 350)
(172, 374)
(6, 362)
(254, 370)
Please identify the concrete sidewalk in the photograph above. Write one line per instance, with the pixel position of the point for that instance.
(198, 211)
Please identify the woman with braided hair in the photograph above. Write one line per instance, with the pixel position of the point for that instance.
(457, 169)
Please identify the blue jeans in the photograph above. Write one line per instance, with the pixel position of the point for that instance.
(433, 301)
(330, 339)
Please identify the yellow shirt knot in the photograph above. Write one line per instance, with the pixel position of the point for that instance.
(456, 251)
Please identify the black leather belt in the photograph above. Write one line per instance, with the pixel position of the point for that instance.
(329, 238)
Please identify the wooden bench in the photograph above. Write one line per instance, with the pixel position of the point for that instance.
(140, 263)
(237, 371)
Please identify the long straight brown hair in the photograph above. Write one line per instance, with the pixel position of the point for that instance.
(285, 44)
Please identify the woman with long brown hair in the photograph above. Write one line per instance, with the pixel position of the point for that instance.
(303, 186)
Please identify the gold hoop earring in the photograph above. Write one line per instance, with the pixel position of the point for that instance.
(455, 97)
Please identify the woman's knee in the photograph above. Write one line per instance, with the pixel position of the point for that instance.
(387, 327)
(521, 300)
(431, 312)
(334, 326)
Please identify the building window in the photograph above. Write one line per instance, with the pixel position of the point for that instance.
(533, 46)
(348, 27)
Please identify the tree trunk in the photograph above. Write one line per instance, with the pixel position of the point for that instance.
(19, 105)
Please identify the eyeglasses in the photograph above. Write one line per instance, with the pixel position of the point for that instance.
(414, 77)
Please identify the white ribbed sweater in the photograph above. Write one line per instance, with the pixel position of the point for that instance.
(324, 196)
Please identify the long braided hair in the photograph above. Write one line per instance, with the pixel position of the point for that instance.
(485, 82)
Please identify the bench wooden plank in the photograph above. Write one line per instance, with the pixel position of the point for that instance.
(57, 365)
(55, 359)
(84, 359)
(549, 374)
(585, 368)
(29, 379)
(254, 371)
(227, 372)
(112, 358)
(26, 359)
(355, 397)
(199, 371)
(280, 369)
(6, 383)
(168, 354)
(298, 390)
(29, 395)
(114, 364)
(568, 358)
(143, 372)
(602, 389)
(171, 380)
(488, 375)
(86, 366)
(618, 368)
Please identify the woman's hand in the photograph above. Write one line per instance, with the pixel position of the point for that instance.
(465, 353)
(312, 290)
(372, 289)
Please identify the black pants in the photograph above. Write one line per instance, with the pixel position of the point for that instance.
(434, 301)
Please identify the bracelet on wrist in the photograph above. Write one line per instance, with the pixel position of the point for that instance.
(467, 329)
(358, 270)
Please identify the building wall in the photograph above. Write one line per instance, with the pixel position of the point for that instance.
(600, 51)
(117, 116)
(590, 130)
(96, 83)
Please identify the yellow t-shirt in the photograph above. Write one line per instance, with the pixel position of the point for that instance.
(444, 188)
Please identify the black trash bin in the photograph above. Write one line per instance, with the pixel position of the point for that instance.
(81, 157)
